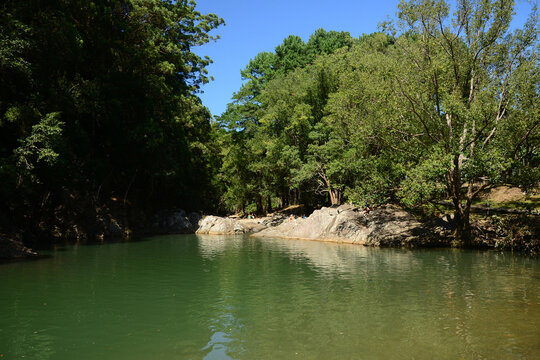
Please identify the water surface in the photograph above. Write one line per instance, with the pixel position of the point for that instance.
(215, 297)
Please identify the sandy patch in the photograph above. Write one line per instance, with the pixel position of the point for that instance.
(505, 194)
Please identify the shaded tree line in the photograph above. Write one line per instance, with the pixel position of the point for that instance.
(99, 113)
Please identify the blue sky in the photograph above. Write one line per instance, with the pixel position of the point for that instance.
(260, 25)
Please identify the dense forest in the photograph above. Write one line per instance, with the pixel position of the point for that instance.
(99, 114)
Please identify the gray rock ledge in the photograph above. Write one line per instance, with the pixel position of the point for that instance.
(386, 225)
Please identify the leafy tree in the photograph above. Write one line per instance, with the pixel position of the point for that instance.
(290, 55)
(452, 79)
(272, 110)
(327, 42)
(359, 113)
(98, 108)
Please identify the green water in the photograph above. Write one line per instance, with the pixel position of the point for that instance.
(188, 297)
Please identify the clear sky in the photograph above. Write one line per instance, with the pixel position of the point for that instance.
(260, 25)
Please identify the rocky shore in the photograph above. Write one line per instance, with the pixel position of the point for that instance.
(386, 225)
(215, 225)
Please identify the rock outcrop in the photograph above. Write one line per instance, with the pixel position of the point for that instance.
(215, 225)
(385, 226)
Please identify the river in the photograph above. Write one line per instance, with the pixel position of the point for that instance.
(218, 297)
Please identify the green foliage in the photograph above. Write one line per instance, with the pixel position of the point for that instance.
(327, 42)
(273, 115)
(425, 180)
(454, 82)
(442, 106)
(38, 147)
(123, 80)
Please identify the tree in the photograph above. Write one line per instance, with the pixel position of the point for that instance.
(360, 115)
(275, 112)
(327, 42)
(98, 102)
(455, 82)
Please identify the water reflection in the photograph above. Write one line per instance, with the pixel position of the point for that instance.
(217, 346)
(327, 258)
(477, 304)
(332, 258)
(226, 297)
(211, 246)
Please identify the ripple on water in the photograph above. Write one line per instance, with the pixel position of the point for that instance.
(219, 297)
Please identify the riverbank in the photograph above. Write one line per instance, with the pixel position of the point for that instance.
(385, 226)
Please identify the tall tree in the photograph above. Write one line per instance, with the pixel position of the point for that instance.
(274, 139)
(452, 78)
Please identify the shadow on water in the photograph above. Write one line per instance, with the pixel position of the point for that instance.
(64, 246)
(118, 240)
(24, 259)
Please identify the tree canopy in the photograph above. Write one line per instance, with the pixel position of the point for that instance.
(437, 105)
(98, 107)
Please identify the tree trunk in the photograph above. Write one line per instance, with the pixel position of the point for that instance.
(463, 227)
(461, 214)
(335, 196)
(290, 200)
(268, 204)
(259, 203)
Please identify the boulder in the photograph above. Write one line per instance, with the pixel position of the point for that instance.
(274, 220)
(392, 226)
